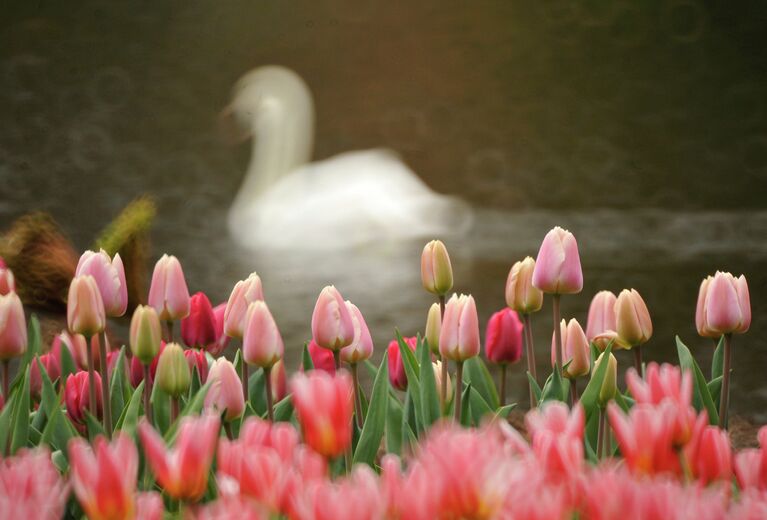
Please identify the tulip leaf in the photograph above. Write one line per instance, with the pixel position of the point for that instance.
(58, 430)
(475, 372)
(717, 362)
(48, 397)
(408, 355)
(33, 344)
(372, 369)
(590, 396)
(429, 393)
(478, 406)
(465, 406)
(701, 395)
(117, 385)
(68, 365)
(257, 391)
(715, 388)
(283, 410)
(193, 407)
(5, 421)
(536, 389)
(394, 426)
(413, 383)
(504, 411)
(624, 402)
(129, 418)
(306, 359)
(375, 422)
(20, 421)
(196, 383)
(160, 408)
(556, 387)
(94, 426)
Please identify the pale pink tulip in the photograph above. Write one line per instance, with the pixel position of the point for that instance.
(632, 319)
(31, 486)
(13, 327)
(601, 314)
(575, 347)
(361, 347)
(261, 343)
(168, 293)
(724, 306)
(459, 335)
(244, 293)
(521, 296)
(110, 277)
(558, 266)
(225, 392)
(85, 308)
(332, 325)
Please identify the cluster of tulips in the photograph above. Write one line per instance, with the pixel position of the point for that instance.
(166, 426)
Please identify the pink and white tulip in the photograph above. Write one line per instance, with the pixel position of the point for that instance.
(244, 293)
(332, 325)
(361, 347)
(168, 293)
(558, 265)
(459, 335)
(13, 327)
(261, 343)
(724, 306)
(85, 308)
(110, 278)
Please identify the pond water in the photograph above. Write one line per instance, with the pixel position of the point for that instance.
(641, 127)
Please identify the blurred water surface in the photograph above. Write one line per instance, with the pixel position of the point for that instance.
(642, 127)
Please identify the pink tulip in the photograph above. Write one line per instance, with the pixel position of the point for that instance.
(556, 418)
(104, 478)
(332, 325)
(278, 380)
(350, 498)
(222, 340)
(361, 347)
(225, 391)
(7, 282)
(77, 399)
(31, 486)
(197, 359)
(261, 343)
(459, 335)
(503, 338)
(112, 357)
(601, 314)
(575, 347)
(149, 506)
(85, 308)
(632, 319)
(78, 348)
(244, 293)
(324, 407)
(52, 366)
(322, 358)
(183, 470)
(199, 328)
(521, 296)
(436, 271)
(13, 327)
(709, 454)
(168, 293)
(724, 306)
(397, 374)
(646, 437)
(558, 266)
(110, 279)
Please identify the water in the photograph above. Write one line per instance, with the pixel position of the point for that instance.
(640, 126)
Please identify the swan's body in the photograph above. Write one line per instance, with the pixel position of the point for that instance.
(346, 200)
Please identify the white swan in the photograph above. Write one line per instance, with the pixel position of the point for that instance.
(346, 200)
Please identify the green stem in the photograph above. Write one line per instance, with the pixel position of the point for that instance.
(458, 390)
(245, 378)
(638, 360)
(443, 381)
(724, 399)
(573, 392)
(530, 351)
(557, 332)
(601, 434)
(170, 331)
(337, 359)
(6, 378)
(357, 398)
(147, 395)
(106, 401)
(91, 377)
(174, 409)
(502, 395)
(268, 388)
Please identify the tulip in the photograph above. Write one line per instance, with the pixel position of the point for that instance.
(13, 333)
(459, 338)
(149, 506)
(645, 437)
(332, 325)
(244, 293)
(521, 295)
(183, 470)
(575, 349)
(724, 308)
(199, 328)
(77, 399)
(433, 327)
(322, 358)
(709, 454)
(104, 478)
(278, 380)
(323, 405)
(145, 334)
(436, 271)
(262, 344)
(503, 342)
(632, 323)
(109, 275)
(173, 374)
(557, 439)
(225, 391)
(85, 308)
(222, 340)
(601, 316)
(610, 383)
(438, 374)
(31, 486)
(168, 293)
(360, 349)
(52, 365)
(397, 374)
(196, 359)
(77, 346)
(7, 282)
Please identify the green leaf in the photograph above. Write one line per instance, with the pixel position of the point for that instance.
(58, 430)
(394, 427)
(306, 359)
(504, 411)
(556, 388)
(20, 429)
(60, 461)
(117, 385)
(624, 402)
(193, 407)
(590, 396)
(717, 362)
(408, 421)
(33, 344)
(413, 382)
(129, 419)
(48, 397)
(701, 395)
(465, 406)
(371, 368)
(283, 410)
(430, 411)
(67, 364)
(475, 372)
(478, 406)
(257, 391)
(715, 388)
(6, 421)
(94, 426)
(536, 389)
(375, 422)
(160, 408)
(196, 383)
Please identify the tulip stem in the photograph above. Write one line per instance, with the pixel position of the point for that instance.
(601, 434)
(228, 429)
(174, 408)
(91, 377)
(337, 359)
(573, 392)
(147, 395)
(170, 331)
(357, 398)
(458, 390)
(443, 381)
(557, 332)
(348, 460)
(268, 388)
(724, 399)
(638, 360)
(106, 401)
(528, 338)
(502, 396)
(245, 379)
(6, 378)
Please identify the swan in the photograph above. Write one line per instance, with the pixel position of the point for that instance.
(356, 197)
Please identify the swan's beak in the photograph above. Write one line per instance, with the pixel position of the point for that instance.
(230, 129)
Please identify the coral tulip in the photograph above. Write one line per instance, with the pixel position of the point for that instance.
(225, 392)
(646, 437)
(558, 265)
(503, 338)
(459, 335)
(85, 308)
(575, 348)
(332, 325)
(361, 347)
(709, 454)
(521, 295)
(110, 278)
(199, 328)
(244, 293)
(168, 293)
(13, 327)
(436, 271)
(77, 398)
(397, 374)
(261, 342)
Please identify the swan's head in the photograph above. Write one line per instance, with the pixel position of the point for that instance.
(264, 95)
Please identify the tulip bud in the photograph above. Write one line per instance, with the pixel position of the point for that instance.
(433, 327)
(173, 370)
(558, 266)
(575, 347)
(436, 271)
(222, 340)
(322, 358)
(168, 292)
(197, 359)
(459, 336)
(521, 295)
(261, 344)
(145, 333)
(110, 279)
(78, 348)
(610, 383)
(85, 308)
(244, 293)
(332, 325)
(724, 306)
(77, 399)
(7, 282)
(437, 366)
(601, 314)
(199, 328)
(52, 365)
(361, 347)
(397, 374)
(225, 391)
(278, 380)
(710, 454)
(503, 339)
(632, 319)
(13, 327)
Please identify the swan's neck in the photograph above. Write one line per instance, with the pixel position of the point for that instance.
(282, 141)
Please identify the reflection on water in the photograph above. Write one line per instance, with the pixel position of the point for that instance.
(640, 126)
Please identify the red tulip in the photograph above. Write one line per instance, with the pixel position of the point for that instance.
(322, 358)
(77, 399)
(199, 328)
(503, 339)
(397, 374)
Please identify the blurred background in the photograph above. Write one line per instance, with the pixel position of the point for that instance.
(640, 126)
